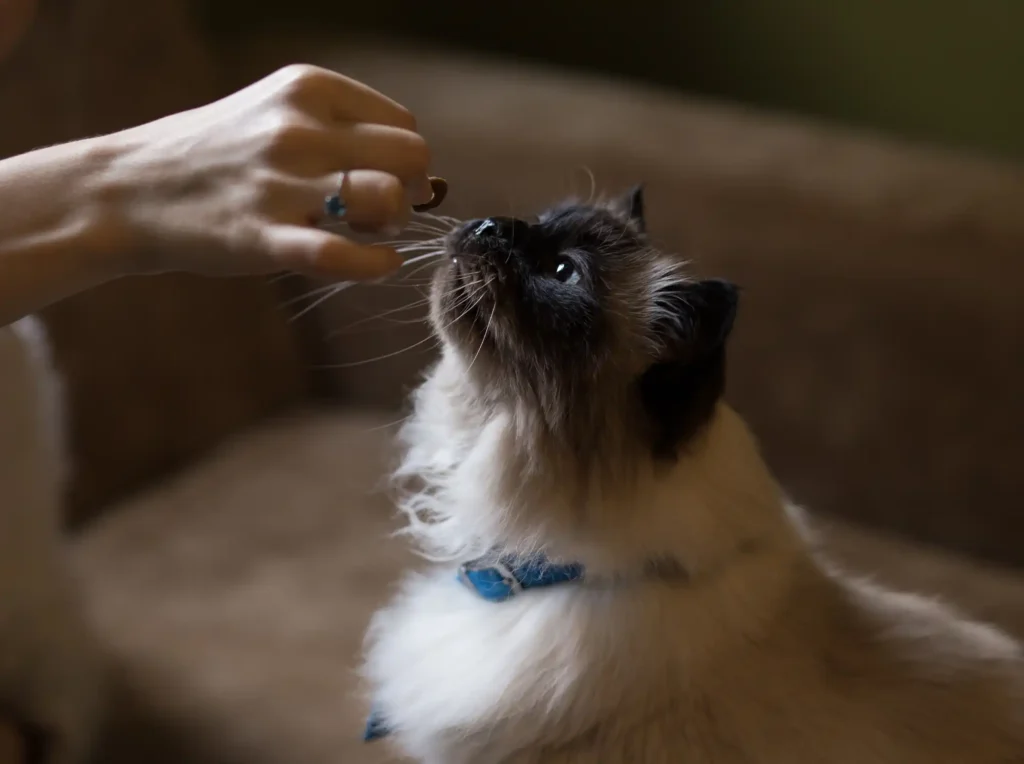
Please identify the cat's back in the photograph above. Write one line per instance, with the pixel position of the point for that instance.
(854, 672)
(849, 673)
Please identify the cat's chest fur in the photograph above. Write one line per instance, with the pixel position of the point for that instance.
(446, 663)
(776, 661)
(461, 679)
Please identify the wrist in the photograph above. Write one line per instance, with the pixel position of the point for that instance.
(64, 194)
(59, 231)
(102, 216)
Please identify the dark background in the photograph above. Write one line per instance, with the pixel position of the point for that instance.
(950, 72)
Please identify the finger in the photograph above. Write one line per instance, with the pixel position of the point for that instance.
(374, 198)
(338, 98)
(310, 151)
(362, 146)
(324, 254)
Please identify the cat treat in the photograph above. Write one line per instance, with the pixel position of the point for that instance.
(440, 188)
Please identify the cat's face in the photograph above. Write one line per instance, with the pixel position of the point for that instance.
(576, 315)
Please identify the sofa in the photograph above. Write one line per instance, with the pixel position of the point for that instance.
(227, 520)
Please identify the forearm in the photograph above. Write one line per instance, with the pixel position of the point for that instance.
(56, 237)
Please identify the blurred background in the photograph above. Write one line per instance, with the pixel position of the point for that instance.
(855, 166)
(940, 71)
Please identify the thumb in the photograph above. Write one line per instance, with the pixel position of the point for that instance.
(325, 254)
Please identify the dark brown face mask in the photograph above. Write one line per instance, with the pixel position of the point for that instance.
(439, 187)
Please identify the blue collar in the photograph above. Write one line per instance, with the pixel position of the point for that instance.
(497, 579)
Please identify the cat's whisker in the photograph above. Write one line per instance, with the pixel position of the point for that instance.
(384, 357)
(318, 302)
(276, 278)
(378, 316)
(308, 295)
(472, 304)
(423, 225)
(444, 219)
(430, 247)
(593, 184)
(434, 254)
(402, 242)
(465, 299)
(429, 262)
(432, 218)
(417, 303)
(400, 284)
(437, 241)
(387, 425)
(483, 337)
(427, 229)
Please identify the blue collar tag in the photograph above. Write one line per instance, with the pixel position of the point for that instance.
(497, 580)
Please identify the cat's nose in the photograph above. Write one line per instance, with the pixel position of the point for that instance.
(509, 230)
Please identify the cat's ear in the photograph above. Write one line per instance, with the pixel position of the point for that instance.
(680, 390)
(695, 319)
(631, 206)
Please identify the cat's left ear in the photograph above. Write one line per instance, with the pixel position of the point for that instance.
(680, 390)
(696, 318)
(631, 206)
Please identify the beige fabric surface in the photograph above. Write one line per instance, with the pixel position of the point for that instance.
(233, 599)
(879, 351)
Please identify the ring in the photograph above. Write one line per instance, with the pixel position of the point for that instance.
(334, 207)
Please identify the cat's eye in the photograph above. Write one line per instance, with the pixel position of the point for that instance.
(565, 271)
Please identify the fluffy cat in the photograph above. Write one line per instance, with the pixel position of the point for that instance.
(575, 422)
(49, 670)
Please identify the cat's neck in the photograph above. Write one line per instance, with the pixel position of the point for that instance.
(716, 504)
(483, 486)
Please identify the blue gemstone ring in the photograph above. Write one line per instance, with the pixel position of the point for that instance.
(334, 207)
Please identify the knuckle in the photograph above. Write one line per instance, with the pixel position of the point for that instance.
(297, 79)
(405, 119)
(266, 187)
(287, 135)
(391, 197)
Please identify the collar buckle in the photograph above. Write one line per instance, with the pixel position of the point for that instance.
(491, 580)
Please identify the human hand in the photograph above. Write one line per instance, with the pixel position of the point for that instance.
(238, 186)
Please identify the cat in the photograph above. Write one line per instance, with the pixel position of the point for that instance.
(634, 585)
(50, 668)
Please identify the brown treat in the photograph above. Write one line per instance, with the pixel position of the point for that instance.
(440, 188)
